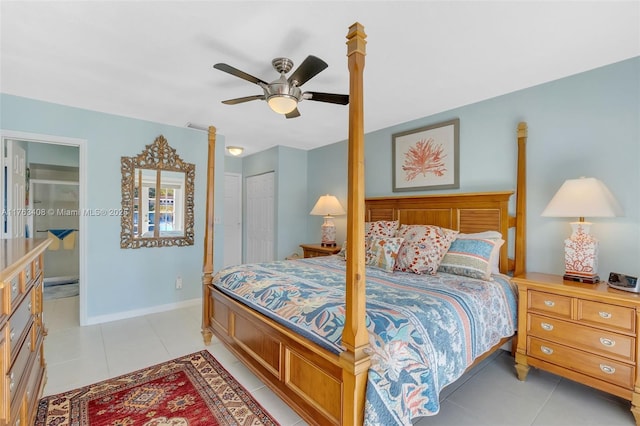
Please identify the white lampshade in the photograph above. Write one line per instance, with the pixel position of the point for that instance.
(327, 205)
(282, 104)
(583, 197)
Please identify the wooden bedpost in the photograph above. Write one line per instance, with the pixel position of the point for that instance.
(207, 263)
(521, 203)
(355, 363)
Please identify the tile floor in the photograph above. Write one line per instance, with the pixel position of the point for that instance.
(488, 395)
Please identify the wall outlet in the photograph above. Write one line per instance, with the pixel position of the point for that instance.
(179, 283)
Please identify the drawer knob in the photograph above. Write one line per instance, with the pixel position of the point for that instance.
(14, 287)
(607, 342)
(607, 369)
(12, 334)
(546, 326)
(12, 383)
(605, 315)
(546, 350)
(550, 303)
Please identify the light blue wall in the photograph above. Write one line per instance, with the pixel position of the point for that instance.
(292, 196)
(583, 125)
(121, 280)
(232, 164)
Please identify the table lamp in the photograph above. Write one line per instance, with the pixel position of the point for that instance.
(583, 197)
(328, 206)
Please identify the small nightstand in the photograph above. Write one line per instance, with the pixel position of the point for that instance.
(584, 332)
(315, 250)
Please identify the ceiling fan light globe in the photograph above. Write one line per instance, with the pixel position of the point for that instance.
(282, 104)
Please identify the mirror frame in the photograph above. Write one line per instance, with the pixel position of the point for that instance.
(157, 156)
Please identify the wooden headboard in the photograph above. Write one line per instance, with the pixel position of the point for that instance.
(464, 212)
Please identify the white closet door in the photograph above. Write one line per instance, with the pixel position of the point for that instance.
(16, 184)
(232, 219)
(260, 218)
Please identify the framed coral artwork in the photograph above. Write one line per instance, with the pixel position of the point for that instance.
(427, 158)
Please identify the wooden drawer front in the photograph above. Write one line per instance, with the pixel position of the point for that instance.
(37, 266)
(310, 253)
(34, 383)
(17, 371)
(28, 274)
(14, 290)
(4, 383)
(588, 339)
(5, 300)
(610, 316)
(559, 306)
(19, 324)
(601, 368)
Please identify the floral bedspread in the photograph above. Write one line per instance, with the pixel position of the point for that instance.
(424, 330)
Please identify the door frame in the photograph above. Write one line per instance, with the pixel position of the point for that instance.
(82, 237)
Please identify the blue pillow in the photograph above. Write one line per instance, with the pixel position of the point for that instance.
(471, 257)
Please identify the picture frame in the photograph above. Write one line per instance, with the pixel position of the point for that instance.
(427, 158)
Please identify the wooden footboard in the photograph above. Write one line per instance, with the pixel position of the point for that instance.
(303, 374)
(306, 376)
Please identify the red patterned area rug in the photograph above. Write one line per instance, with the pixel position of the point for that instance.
(193, 390)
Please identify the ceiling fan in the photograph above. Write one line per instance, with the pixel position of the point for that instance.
(284, 94)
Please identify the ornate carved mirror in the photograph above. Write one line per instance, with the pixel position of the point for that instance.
(157, 198)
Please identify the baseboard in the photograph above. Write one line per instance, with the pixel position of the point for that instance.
(144, 311)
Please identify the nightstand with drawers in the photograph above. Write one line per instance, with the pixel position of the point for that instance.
(315, 250)
(584, 332)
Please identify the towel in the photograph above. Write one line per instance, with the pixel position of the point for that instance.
(55, 241)
(67, 236)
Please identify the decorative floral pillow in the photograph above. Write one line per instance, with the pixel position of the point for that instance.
(423, 248)
(381, 252)
(471, 257)
(381, 228)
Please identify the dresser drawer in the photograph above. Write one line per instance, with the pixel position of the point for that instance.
(605, 343)
(606, 315)
(37, 266)
(17, 371)
(601, 368)
(14, 290)
(28, 274)
(19, 324)
(34, 384)
(559, 306)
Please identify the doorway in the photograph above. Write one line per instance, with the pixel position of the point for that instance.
(62, 258)
(43, 152)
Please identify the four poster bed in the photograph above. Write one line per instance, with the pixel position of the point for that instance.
(334, 348)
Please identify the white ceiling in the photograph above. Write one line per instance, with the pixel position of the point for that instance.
(153, 60)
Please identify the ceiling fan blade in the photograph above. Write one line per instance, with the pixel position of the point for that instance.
(309, 68)
(235, 71)
(293, 114)
(241, 100)
(332, 98)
